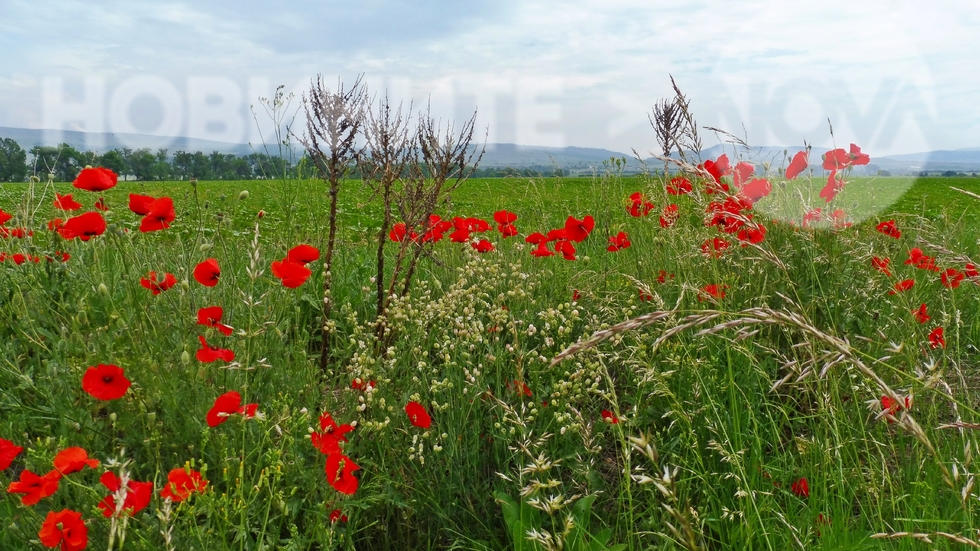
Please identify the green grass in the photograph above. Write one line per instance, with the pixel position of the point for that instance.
(473, 326)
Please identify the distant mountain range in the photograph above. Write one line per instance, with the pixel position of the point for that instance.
(570, 159)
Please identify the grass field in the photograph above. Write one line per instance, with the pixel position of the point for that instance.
(747, 386)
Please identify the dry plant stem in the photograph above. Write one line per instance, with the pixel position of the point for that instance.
(387, 154)
(442, 160)
(333, 120)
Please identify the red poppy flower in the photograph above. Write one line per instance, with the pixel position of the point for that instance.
(575, 295)
(921, 261)
(224, 407)
(461, 235)
(358, 384)
(663, 276)
(64, 528)
(4, 217)
(336, 515)
(65, 202)
(519, 388)
(801, 488)
(161, 214)
(8, 451)
(95, 179)
(211, 317)
(645, 296)
(542, 250)
(181, 483)
(472, 224)
(206, 273)
(797, 165)
(717, 169)
(536, 238)
(566, 249)
(902, 286)
(72, 460)
(100, 204)
(891, 407)
(714, 248)
(340, 473)
(152, 283)
(669, 217)
(610, 417)
(436, 228)
(53, 225)
(856, 157)
(140, 204)
(756, 189)
(952, 278)
(507, 230)
(105, 382)
(84, 226)
(755, 233)
(292, 274)
(417, 415)
(971, 271)
(833, 187)
(712, 290)
(741, 174)
(482, 246)
(34, 487)
(920, 314)
(888, 228)
(504, 217)
(936, 339)
(881, 264)
(330, 436)
(578, 230)
(138, 495)
(399, 231)
(679, 185)
(639, 205)
(302, 254)
(556, 235)
(208, 353)
(837, 159)
(618, 241)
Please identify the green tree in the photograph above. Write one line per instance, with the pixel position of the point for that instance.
(63, 163)
(142, 163)
(115, 161)
(13, 161)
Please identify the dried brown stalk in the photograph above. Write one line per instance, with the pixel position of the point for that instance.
(333, 120)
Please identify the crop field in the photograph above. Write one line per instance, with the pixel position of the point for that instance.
(663, 371)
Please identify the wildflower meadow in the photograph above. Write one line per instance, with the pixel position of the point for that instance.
(727, 354)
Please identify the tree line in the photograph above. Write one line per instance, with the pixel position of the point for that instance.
(64, 162)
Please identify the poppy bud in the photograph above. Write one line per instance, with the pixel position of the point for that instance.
(185, 357)
(243, 195)
(112, 417)
(205, 247)
(103, 290)
(261, 213)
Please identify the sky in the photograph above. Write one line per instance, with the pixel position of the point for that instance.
(893, 77)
